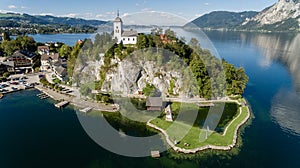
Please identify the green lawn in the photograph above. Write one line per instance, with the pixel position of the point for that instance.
(183, 132)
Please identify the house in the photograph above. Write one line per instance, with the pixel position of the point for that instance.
(126, 37)
(23, 59)
(47, 60)
(166, 40)
(43, 50)
(7, 66)
(154, 104)
(61, 73)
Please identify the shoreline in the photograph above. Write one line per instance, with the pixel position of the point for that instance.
(214, 147)
(79, 103)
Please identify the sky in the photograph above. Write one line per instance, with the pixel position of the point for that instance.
(107, 9)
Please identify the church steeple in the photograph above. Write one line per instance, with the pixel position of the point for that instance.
(118, 28)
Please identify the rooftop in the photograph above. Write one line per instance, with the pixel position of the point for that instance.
(50, 56)
(154, 102)
(129, 33)
(23, 53)
(43, 48)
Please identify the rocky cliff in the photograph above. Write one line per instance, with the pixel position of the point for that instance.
(131, 75)
(283, 15)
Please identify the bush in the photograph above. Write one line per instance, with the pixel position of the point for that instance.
(6, 74)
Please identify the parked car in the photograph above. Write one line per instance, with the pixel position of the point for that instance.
(13, 88)
(14, 83)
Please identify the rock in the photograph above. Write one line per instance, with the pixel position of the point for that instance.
(279, 12)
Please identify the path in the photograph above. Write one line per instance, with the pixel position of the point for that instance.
(228, 147)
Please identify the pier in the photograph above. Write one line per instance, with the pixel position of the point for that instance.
(42, 96)
(155, 154)
(62, 104)
(86, 110)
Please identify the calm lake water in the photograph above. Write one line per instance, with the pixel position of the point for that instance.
(69, 39)
(36, 134)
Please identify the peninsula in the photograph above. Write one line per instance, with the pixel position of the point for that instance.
(159, 72)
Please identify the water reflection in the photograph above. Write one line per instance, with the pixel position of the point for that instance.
(285, 110)
(283, 48)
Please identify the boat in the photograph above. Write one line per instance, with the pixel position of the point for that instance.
(1, 95)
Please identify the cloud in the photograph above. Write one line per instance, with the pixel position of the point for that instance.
(71, 15)
(198, 14)
(146, 10)
(100, 16)
(12, 7)
(206, 4)
(137, 4)
(125, 14)
(153, 18)
(44, 14)
(110, 13)
(24, 7)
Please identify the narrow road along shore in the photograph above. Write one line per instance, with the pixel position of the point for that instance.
(77, 101)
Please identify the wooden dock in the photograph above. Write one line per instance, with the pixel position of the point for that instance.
(86, 110)
(155, 154)
(42, 96)
(62, 104)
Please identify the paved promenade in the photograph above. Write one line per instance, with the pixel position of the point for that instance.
(76, 101)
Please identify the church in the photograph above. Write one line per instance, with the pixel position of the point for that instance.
(127, 36)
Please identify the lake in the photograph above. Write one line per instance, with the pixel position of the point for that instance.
(36, 134)
(69, 39)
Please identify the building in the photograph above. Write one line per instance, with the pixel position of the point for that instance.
(47, 60)
(7, 66)
(154, 104)
(43, 50)
(61, 73)
(23, 59)
(127, 36)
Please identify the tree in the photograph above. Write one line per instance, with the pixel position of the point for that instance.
(65, 50)
(194, 43)
(9, 47)
(6, 74)
(6, 36)
(156, 31)
(26, 43)
(142, 42)
(170, 33)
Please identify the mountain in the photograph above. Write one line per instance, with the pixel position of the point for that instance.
(16, 19)
(222, 19)
(282, 16)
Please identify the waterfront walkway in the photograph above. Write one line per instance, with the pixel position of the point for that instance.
(77, 101)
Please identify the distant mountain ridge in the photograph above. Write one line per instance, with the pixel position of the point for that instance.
(282, 16)
(15, 20)
(222, 19)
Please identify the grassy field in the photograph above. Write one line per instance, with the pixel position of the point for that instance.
(192, 134)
